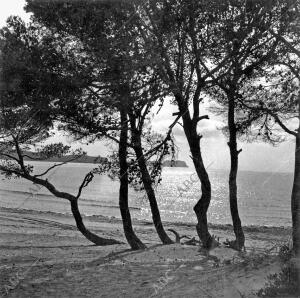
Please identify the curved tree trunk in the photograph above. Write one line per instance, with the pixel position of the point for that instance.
(202, 205)
(237, 226)
(295, 206)
(149, 190)
(85, 232)
(134, 242)
(74, 208)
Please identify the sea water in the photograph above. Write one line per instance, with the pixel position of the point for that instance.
(263, 198)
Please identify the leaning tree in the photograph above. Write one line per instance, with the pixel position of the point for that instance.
(177, 35)
(198, 45)
(87, 58)
(122, 79)
(25, 120)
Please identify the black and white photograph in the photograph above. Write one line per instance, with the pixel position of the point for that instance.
(150, 148)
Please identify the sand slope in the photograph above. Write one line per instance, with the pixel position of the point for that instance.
(43, 255)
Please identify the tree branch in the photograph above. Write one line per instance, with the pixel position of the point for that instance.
(288, 44)
(202, 117)
(10, 156)
(57, 165)
(87, 179)
(275, 116)
(282, 125)
(143, 116)
(166, 138)
(19, 152)
(47, 185)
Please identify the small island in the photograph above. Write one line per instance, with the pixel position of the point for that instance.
(175, 164)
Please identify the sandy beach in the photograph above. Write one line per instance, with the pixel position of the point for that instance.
(43, 255)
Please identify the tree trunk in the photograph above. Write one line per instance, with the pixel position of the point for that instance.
(85, 232)
(74, 208)
(237, 226)
(149, 190)
(202, 205)
(134, 242)
(295, 206)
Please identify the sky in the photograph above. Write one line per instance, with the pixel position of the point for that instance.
(12, 7)
(254, 157)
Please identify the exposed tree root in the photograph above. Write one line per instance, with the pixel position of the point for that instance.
(234, 245)
(178, 237)
(192, 241)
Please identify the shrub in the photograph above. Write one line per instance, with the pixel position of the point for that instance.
(285, 282)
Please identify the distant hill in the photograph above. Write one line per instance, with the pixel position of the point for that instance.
(92, 159)
(175, 163)
(71, 158)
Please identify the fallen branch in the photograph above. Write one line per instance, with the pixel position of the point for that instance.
(178, 237)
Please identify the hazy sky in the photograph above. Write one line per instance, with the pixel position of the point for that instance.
(254, 157)
(12, 7)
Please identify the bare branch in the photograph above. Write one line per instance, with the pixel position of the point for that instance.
(57, 165)
(166, 138)
(202, 117)
(87, 179)
(42, 182)
(143, 116)
(33, 158)
(19, 152)
(281, 124)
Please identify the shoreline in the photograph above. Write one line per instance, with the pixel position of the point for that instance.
(247, 228)
(51, 256)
